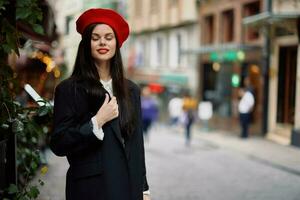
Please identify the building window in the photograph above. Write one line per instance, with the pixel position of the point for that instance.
(249, 10)
(179, 45)
(159, 46)
(140, 55)
(227, 26)
(154, 6)
(68, 24)
(173, 3)
(209, 32)
(138, 8)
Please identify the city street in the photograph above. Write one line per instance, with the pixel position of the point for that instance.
(227, 71)
(206, 170)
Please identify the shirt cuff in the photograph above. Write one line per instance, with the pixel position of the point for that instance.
(96, 130)
(146, 192)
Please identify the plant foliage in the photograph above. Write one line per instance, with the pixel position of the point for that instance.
(30, 125)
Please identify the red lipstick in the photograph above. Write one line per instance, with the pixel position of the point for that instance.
(103, 50)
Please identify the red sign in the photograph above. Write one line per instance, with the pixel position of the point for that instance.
(156, 88)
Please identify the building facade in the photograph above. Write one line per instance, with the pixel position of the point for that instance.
(160, 29)
(281, 24)
(229, 53)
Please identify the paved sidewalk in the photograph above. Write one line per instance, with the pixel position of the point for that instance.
(284, 157)
(55, 178)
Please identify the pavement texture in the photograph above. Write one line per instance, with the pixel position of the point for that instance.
(262, 149)
(216, 165)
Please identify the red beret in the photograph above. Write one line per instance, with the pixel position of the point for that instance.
(105, 16)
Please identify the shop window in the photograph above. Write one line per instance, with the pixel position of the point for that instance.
(208, 29)
(249, 10)
(227, 26)
(286, 92)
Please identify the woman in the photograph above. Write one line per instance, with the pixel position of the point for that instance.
(97, 116)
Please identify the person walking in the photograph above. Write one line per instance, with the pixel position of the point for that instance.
(175, 110)
(245, 108)
(189, 107)
(97, 116)
(149, 111)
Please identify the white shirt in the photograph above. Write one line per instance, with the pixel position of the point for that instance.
(96, 129)
(175, 107)
(246, 103)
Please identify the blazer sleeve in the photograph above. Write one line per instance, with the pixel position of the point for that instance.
(69, 135)
(140, 133)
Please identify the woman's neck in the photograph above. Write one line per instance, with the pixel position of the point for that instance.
(103, 70)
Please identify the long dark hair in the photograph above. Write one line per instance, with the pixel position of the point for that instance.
(85, 70)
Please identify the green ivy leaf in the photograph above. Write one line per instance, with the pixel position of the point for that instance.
(39, 15)
(17, 126)
(43, 111)
(34, 140)
(5, 126)
(41, 182)
(23, 198)
(6, 48)
(38, 28)
(12, 189)
(2, 5)
(22, 13)
(33, 192)
(11, 41)
(21, 3)
(9, 31)
(34, 166)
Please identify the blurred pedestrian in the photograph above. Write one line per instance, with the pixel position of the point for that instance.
(189, 108)
(245, 108)
(175, 109)
(97, 116)
(149, 110)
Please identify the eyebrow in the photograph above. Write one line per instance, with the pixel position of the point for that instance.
(107, 34)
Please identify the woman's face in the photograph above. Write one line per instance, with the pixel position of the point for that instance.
(103, 43)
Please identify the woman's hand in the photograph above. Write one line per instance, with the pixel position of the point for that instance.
(108, 111)
(146, 197)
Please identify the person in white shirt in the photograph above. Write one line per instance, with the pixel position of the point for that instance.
(245, 108)
(175, 109)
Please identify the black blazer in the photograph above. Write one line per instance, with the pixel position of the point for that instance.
(111, 169)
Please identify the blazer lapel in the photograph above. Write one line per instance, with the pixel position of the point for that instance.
(116, 129)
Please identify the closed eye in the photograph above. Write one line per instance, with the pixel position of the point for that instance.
(108, 36)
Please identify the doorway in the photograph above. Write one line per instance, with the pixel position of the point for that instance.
(286, 93)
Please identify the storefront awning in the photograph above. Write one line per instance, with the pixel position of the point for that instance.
(269, 18)
(220, 48)
(163, 78)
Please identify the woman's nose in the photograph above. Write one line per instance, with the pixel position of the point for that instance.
(102, 41)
